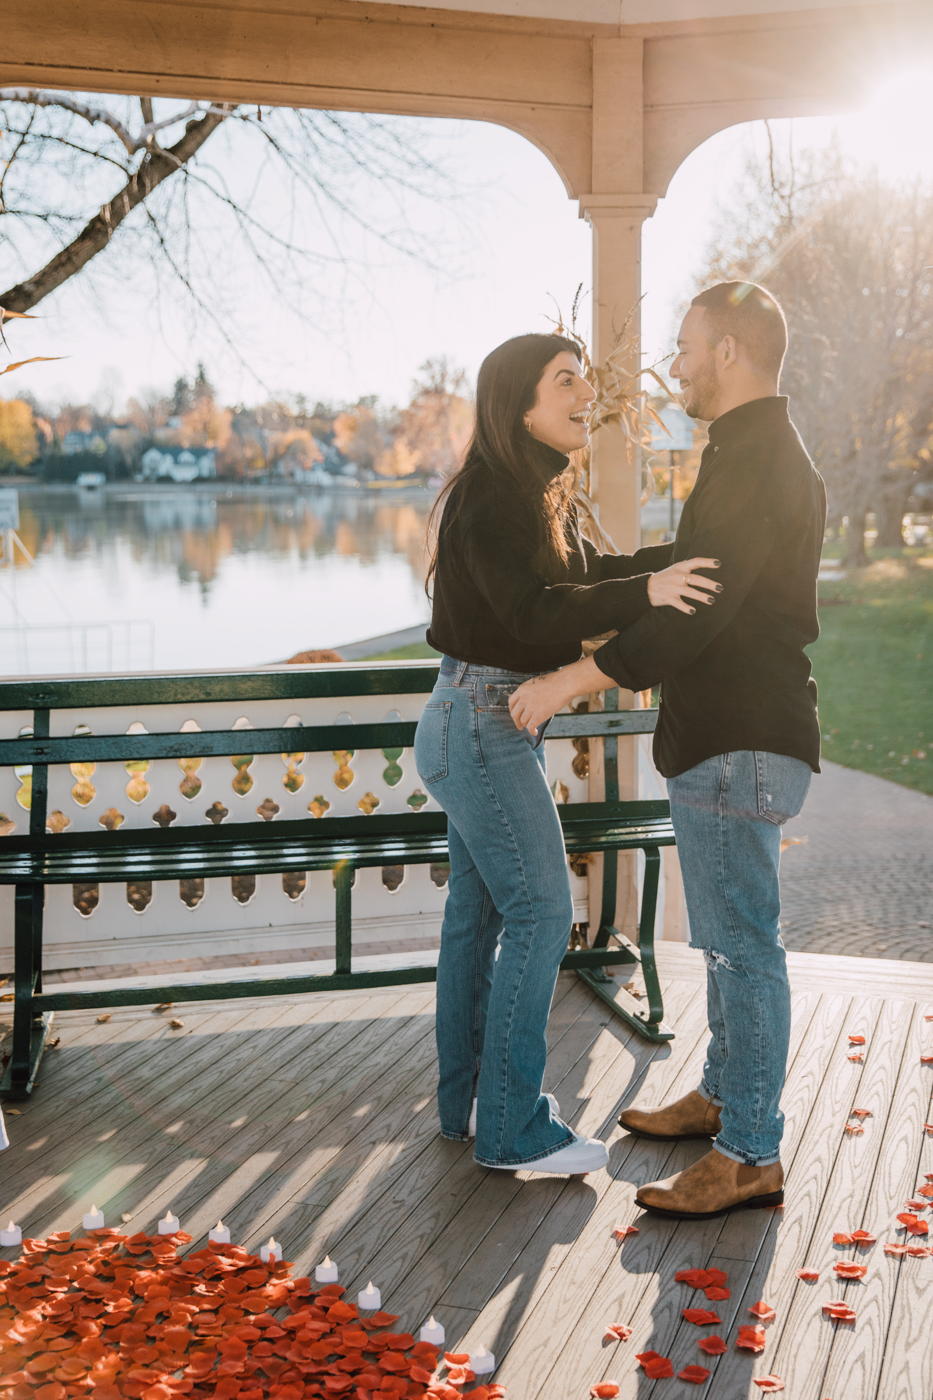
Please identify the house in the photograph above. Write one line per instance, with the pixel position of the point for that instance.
(181, 464)
(75, 442)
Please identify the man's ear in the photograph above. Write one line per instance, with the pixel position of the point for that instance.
(727, 350)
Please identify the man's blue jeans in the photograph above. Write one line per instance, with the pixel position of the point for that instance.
(508, 887)
(727, 814)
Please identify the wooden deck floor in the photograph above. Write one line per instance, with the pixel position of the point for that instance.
(315, 1120)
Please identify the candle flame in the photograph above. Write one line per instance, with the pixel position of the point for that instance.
(11, 1226)
(369, 1287)
(481, 1352)
(168, 1216)
(220, 1225)
(93, 1210)
(431, 1321)
(272, 1241)
(327, 1262)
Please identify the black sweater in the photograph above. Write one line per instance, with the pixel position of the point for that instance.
(503, 597)
(735, 675)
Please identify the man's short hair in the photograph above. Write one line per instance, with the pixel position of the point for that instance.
(752, 316)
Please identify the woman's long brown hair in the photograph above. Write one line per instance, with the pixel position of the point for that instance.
(506, 387)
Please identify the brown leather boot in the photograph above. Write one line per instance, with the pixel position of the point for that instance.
(690, 1117)
(714, 1185)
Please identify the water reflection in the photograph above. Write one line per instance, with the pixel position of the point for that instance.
(229, 577)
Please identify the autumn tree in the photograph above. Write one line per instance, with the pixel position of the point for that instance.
(19, 442)
(360, 434)
(433, 431)
(850, 257)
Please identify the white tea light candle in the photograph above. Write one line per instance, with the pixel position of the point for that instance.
(93, 1219)
(170, 1225)
(11, 1235)
(271, 1251)
(432, 1332)
(220, 1234)
(326, 1272)
(482, 1362)
(370, 1299)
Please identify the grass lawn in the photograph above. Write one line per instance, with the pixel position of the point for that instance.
(873, 664)
(416, 651)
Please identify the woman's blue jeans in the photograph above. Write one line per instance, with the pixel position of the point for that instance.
(727, 814)
(508, 888)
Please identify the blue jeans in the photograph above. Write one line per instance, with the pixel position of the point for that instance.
(508, 888)
(727, 814)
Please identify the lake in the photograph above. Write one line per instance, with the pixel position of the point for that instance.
(199, 578)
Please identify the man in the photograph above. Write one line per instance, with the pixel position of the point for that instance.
(737, 735)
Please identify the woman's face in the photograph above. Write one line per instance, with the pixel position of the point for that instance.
(559, 413)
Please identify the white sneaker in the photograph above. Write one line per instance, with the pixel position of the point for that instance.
(576, 1159)
(471, 1126)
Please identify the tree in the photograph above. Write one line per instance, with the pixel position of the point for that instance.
(433, 431)
(19, 443)
(83, 176)
(359, 434)
(849, 256)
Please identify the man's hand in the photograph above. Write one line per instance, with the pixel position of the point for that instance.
(537, 700)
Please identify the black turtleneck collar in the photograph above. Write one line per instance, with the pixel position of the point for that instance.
(549, 462)
(749, 417)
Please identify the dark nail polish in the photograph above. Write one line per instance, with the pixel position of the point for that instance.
(715, 563)
(692, 611)
(719, 588)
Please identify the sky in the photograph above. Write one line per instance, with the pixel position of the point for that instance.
(508, 240)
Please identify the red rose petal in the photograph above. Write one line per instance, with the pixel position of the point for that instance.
(702, 1317)
(861, 1113)
(863, 1237)
(696, 1375)
(925, 1190)
(843, 1239)
(856, 1058)
(845, 1268)
(808, 1274)
(855, 1129)
(856, 1040)
(713, 1346)
(655, 1366)
(617, 1331)
(716, 1293)
(751, 1338)
(840, 1312)
(771, 1383)
(763, 1310)
(916, 1205)
(892, 1247)
(621, 1231)
(917, 1251)
(604, 1390)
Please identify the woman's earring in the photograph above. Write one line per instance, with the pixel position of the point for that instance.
(527, 425)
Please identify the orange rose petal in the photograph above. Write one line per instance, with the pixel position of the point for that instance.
(763, 1310)
(928, 1127)
(621, 1231)
(617, 1331)
(808, 1274)
(696, 1375)
(846, 1269)
(751, 1338)
(925, 1190)
(926, 1059)
(604, 1390)
(891, 1247)
(861, 1113)
(856, 1040)
(839, 1312)
(655, 1366)
(919, 1251)
(841, 1238)
(713, 1346)
(855, 1129)
(702, 1317)
(916, 1205)
(863, 1237)
(770, 1383)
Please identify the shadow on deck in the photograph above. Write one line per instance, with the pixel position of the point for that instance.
(315, 1121)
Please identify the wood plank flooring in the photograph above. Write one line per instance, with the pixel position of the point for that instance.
(315, 1120)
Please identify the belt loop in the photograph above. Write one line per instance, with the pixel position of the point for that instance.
(462, 667)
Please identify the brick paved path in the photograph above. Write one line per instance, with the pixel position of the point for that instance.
(863, 883)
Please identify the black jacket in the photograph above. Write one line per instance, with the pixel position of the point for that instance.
(503, 597)
(735, 675)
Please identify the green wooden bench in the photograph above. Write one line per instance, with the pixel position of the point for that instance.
(340, 844)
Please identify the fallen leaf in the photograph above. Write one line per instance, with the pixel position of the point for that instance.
(856, 1040)
(763, 1310)
(106, 1017)
(839, 1312)
(713, 1346)
(604, 1390)
(863, 1237)
(856, 1058)
(617, 1332)
(855, 1129)
(696, 1375)
(751, 1338)
(622, 1231)
(175, 1024)
(861, 1113)
(770, 1383)
(892, 1248)
(808, 1274)
(16, 1112)
(701, 1317)
(847, 1269)
(655, 1366)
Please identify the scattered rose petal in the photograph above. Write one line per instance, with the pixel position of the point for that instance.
(176, 1024)
(617, 1331)
(843, 1239)
(856, 1058)
(916, 1205)
(839, 1312)
(926, 1059)
(622, 1231)
(855, 1129)
(928, 1127)
(763, 1310)
(808, 1274)
(771, 1383)
(845, 1268)
(604, 1390)
(912, 1225)
(925, 1190)
(856, 1040)
(655, 1366)
(713, 1346)
(702, 1317)
(696, 1375)
(863, 1237)
(891, 1247)
(918, 1251)
(861, 1113)
(715, 1293)
(105, 1017)
(751, 1338)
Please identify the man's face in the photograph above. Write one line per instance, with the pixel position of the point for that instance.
(695, 367)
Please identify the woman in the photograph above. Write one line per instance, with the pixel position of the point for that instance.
(515, 590)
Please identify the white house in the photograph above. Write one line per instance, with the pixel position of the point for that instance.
(181, 464)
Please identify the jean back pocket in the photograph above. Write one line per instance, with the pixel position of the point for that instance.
(431, 741)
